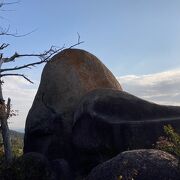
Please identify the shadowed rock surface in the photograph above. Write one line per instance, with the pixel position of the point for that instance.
(65, 79)
(108, 121)
(62, 169)
(138, 164)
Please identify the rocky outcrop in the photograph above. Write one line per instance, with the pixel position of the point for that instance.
(65, 79)
(138, 164)
(81, 118)
(108, 121)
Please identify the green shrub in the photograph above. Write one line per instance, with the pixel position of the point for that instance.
(31, 166)
(16, 143)
(170, 142)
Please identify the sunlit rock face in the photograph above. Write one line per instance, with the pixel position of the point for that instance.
(65, 79)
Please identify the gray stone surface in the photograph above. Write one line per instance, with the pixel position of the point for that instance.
(138, 165)
(109, 121)
(65, 79)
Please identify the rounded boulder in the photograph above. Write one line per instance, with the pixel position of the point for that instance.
(144, 164)
(65, 79)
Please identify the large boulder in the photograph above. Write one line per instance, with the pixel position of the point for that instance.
(108, 121)
(65, 79)
(138, 164)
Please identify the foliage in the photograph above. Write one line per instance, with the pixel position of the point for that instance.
(17, 149)
(27, 168)
(171, 142)
(17, 145)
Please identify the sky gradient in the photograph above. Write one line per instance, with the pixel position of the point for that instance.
(137, 40)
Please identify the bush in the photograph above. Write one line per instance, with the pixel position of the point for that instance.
(170, 142)
(31, 166)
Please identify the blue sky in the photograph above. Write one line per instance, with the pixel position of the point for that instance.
(134, 38)
(130, 37)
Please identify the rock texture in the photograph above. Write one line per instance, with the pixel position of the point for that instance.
(62, 169)
(138, 164)
(108, 121)
(65, 79)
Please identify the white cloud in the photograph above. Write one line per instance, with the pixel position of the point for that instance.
(22, 94)
(163, 88)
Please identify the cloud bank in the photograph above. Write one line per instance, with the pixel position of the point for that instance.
(22, 94)
(162, 88)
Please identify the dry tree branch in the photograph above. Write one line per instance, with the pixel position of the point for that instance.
(15, 34)
(44, 57)
(8, 107)
(78, 42)
(78, 37)
(13, 74)
(24, 66)
(5, 32)
(3, 46)
(8, 3)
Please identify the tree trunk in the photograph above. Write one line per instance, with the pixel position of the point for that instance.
(4, 128)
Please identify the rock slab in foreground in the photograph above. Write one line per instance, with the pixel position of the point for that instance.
(65, 79)
(138, 165)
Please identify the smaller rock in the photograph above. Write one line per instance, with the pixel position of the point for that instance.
(62, 169)
(145, 164)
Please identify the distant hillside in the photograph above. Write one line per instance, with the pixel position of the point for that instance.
(17, 142)
(16, 134)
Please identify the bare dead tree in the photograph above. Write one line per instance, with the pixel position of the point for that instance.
(40, 58)
(5, 108)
